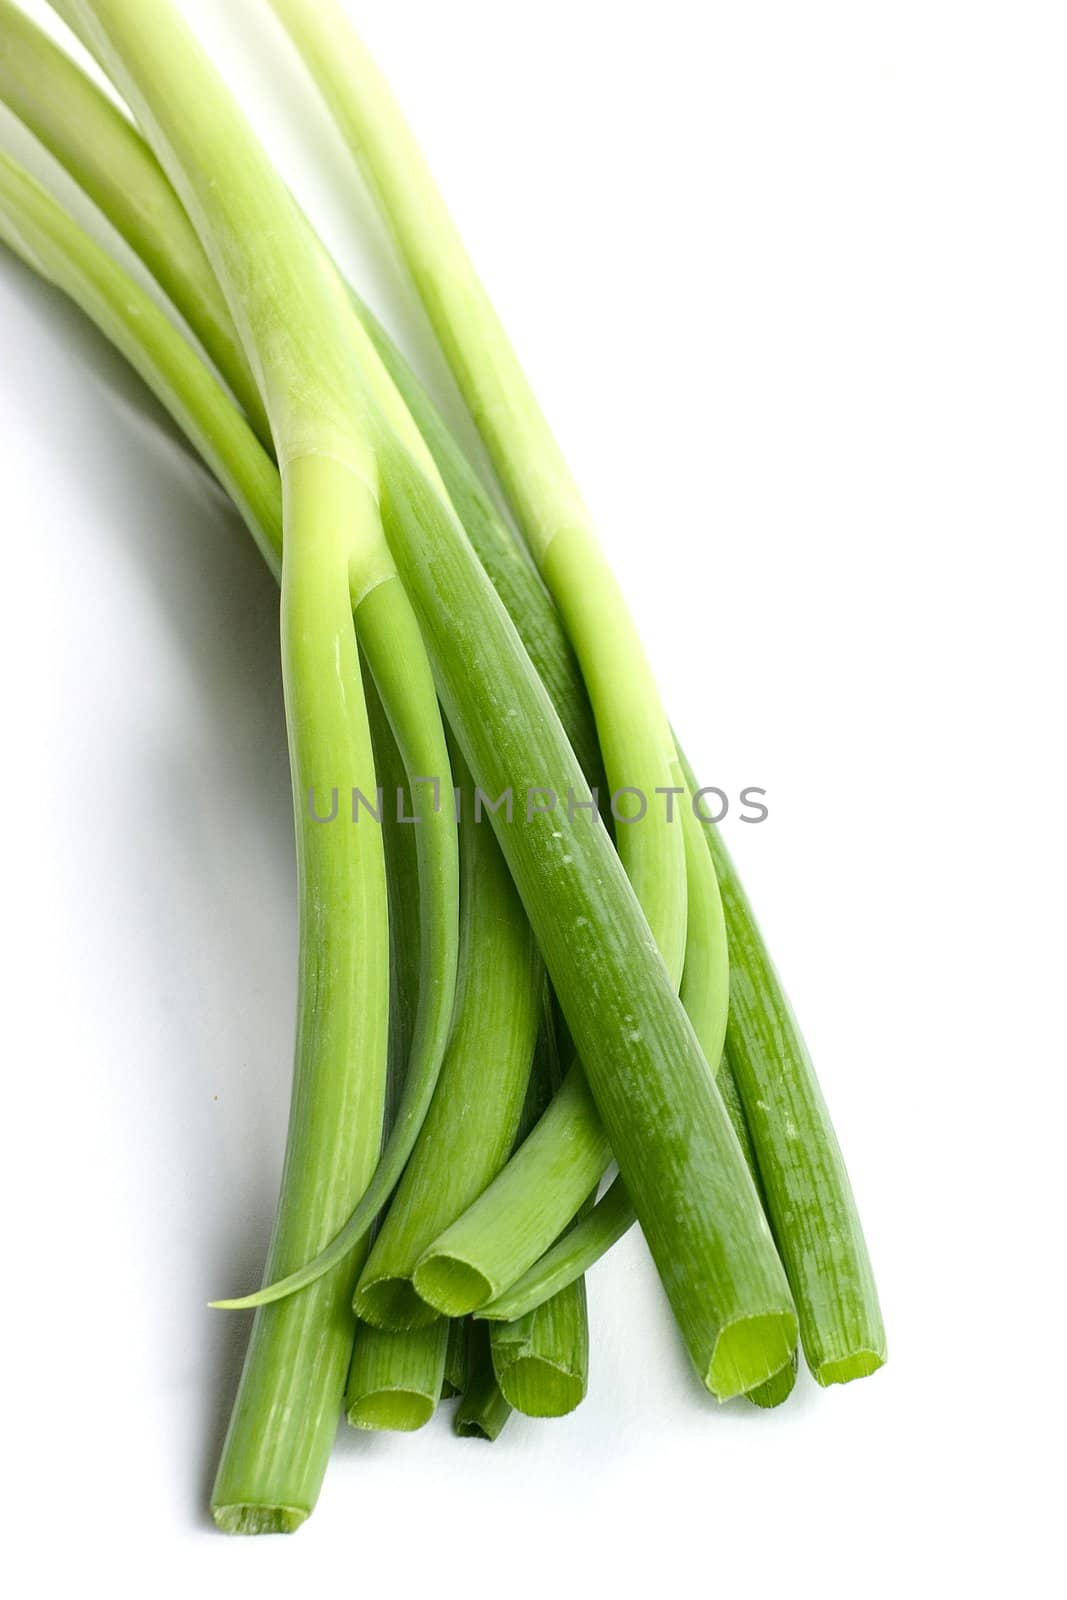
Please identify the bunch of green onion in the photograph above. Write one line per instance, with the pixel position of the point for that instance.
(488, 1016)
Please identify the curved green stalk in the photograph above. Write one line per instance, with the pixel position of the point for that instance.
(39, 231)
(810, 1198)
(284, 298)
(572, 1255)
(285, 1415)
(396, 1378)
(634, 735)
(456, 1358)
(541, 1360)
(506, 1238)
(296, 318)
(472, 1122)
(483, 1410)
(653, 1088)
(705, 995)
(808, 1195)
(534, 1197)
(89, 136)
(530, 597)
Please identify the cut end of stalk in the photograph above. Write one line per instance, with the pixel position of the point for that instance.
(540, 1388)
(776, 1390)
(860, 1364)
(472, 1428)
(391, 1411)
(450, 1285)
(393, 1305)
(248, 1518)
(749, 1351)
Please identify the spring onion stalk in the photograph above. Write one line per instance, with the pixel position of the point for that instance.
(99, 147)
(763, 952)
(59, 249)
(808, 1190)
(285, 301)
(247, 221)
(483, 1410)
(653, 1088)
(395, 1380)
(704, 991)
(106, 156)
(531, 1202)
(472, 1122)
(808, 1195)
(541, 1360)
(456, 1358)
(494, 1246)
(633, 732)
(39, 231)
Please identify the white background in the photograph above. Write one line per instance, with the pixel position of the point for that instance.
(791, 282)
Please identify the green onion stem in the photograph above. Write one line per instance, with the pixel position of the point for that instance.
(653, 1088)
(472, 1122)
(39, 231)
(89, 136)
(808, 1195)
(528, 600)
(723, 1277)
(483, 1410)
(293, 314)
(285, 301)
(456, 1358)
(395, 1380)
(808, 1191)
(541, 1359)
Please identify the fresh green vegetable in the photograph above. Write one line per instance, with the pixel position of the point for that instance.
(456, 1362)
(38, 230)
(541, 1360)
(286, 300)
(104, 154)
(808, 1195)
(396, 1378)
(378, 582)
(483, 1410)
(472, 1122)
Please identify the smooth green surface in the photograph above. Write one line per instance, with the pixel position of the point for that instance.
(531, 597)
(655, 1092)
(285, 1415)
(532, 1200)
(475, 1113)
(395, 1380)
(285, 298)
(104, 154)
(808, 1195)
(57, 248)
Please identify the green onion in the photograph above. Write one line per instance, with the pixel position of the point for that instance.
(106, 157)
(483, 1410)
(456, 1358)
(38, 230)
(810, 1198)
(808, 1195)
(472, 1122)
(488, 686)
(666, 1123)
(696, 1201)
(541, 1360)
(285, 299)
(396, 1378)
